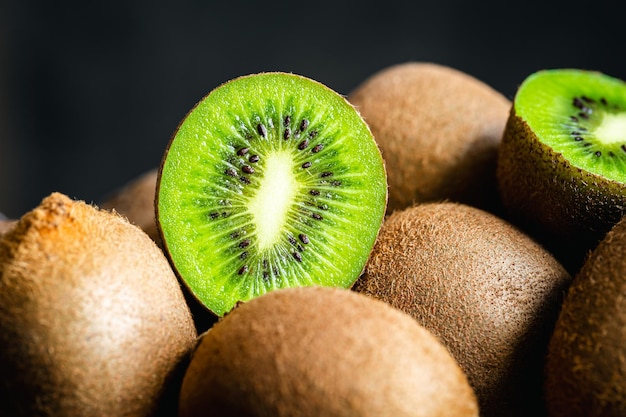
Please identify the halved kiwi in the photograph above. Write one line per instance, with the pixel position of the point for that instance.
(562, 161)
(272, 180)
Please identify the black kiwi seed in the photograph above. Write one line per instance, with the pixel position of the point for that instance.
(313, 133)
(303, 125)
(231, 171)
(317, 148)
(304, 238)
(287, 134)
(306, 165)
(287, 121)
(247, 169)
(326, 174)
(598, 153)
(297, 256)
(244, 243)
(317, 216)
(316, 192)
(243, 255)
(254, 159)
(262, 130)
(578, 103)
(244, 180)
(242, 151)
(303, 144)
(292, 240)
(243, 270)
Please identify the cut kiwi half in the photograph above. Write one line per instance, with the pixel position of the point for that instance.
(562, 161)
(272, 180)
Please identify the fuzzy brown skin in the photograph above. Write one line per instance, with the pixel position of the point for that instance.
(92, 318)
(486, 289)
(438, 130)
(566, 208)
(585, 367)
(6, 225)
(135, 201)
(320, 351)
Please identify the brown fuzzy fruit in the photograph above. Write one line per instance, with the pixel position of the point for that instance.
(92, 318)
(488, 291)
(322, 351)
(586, 366)
(135, 201)
(6, 225)
(438, 129)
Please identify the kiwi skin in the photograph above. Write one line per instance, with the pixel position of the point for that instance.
(585, 368)
(322, 351)
(569, 210)
(6, 225)
(438, 129)
(135, 200)
(92, 318)
(485, 288)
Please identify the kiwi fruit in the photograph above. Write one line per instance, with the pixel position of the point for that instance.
(6, 225)
(585, 367)
(272, 180)
(135, 201)
(561, 163)
(484, 287)
(93, 321)
(439, 131)
(322, 351)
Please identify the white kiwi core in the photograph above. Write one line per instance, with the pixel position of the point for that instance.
(275, 195)
(612, 129)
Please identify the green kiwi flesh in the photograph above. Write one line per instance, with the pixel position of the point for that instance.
(585, 367)
(562, 162)
(272, 180)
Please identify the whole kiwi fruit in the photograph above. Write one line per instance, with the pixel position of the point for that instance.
(92, 318)
(6, 225)
(322, 351)
(485, 288)
(585, 367)
(135, 201)
(439, 130)
(561, 162)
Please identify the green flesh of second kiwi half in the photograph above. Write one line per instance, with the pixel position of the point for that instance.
(273, 180)
(588, 129)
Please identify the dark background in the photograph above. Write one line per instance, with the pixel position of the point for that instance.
(90, 92)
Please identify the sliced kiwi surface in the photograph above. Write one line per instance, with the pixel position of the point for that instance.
(580, 114)
(272, 180)
(562, 161)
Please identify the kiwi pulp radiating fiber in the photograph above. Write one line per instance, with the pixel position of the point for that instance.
(272, 180)
(562, 162)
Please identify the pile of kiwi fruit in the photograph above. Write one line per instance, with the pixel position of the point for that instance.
(419, 246)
